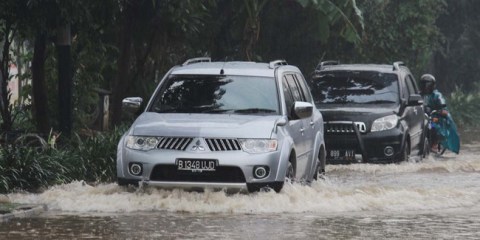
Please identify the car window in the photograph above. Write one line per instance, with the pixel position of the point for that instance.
(362, 87)
(296, 91)
(304, 87)
(217, 94)
(288, 95)
(411, 85)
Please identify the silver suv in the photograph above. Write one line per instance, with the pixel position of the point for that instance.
(224, 125)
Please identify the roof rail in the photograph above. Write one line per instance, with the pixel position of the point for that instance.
(277, 63)
(197, 60)
(396, 65)
(325, 63)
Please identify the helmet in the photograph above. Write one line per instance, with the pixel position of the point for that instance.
(427, 83)
(427, 78)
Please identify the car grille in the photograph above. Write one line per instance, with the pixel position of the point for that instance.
(219, 144)
(174, 143)
(222, 174)
(344, 127)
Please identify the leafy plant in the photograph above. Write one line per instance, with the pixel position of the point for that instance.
(464, 107)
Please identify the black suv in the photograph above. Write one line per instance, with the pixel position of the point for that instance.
(372, 113)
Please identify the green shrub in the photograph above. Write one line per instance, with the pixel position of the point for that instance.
(464, 107)
(27, 169)
(88, 158)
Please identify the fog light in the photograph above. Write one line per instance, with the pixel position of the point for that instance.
(388, 151)
(136, 169)
(260, 172)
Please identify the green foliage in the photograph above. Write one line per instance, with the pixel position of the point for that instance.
(26, 169)
(96, 156)
(456, 62)
(399, 30)
(465, 107)
(91, 159)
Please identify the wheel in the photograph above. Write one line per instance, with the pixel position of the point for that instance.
(405, 154)
(426, 148)
(289, 177)
(320, 171)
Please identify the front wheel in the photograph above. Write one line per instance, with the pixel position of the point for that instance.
(405, 154)
(289, 177)
(426, 148)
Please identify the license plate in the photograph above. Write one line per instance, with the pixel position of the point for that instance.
(342, 154)
(197, 165)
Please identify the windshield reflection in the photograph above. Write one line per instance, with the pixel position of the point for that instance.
(361, 87)
(217, 94)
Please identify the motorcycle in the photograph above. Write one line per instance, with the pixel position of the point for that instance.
(442, 133)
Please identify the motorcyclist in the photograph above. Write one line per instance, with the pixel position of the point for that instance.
(433, 101)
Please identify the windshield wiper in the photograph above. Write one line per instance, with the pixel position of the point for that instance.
(380, 101)
(255, 110)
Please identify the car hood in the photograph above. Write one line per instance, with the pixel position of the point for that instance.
(204, 125)
(360, 113)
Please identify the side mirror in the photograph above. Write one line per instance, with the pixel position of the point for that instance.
(302, 110)
(415, 100)
(132, 104)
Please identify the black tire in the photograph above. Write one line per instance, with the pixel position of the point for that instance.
(289, 177)
(426, 148)
(320, 171)
(405, 154)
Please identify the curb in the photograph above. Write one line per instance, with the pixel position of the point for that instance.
(23, 211)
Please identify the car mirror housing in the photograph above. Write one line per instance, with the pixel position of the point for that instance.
(132, 104)
(302, 110)
(415, 100)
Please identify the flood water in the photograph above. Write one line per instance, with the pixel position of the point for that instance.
(438, 198)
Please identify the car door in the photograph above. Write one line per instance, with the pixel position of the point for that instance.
(300, 129)
(417, 118)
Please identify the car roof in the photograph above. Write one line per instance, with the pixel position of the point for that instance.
(230, 68)
(360, 67)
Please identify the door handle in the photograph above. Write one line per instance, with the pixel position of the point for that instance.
(312, 124)
(302, 130)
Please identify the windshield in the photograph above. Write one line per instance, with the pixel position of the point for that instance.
(217, 94)
(363, 87)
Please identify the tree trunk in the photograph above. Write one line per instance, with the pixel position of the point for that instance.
(7, 122)
(65, 82)
(121, 83)
(40, 103)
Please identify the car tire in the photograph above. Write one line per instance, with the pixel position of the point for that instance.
(426, 148)
(289, 177)
(320, 171)
(405, 154)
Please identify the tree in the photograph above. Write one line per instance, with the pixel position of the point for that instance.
(456, 62)
(398, 30)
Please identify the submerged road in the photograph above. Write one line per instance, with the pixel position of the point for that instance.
(438, 198)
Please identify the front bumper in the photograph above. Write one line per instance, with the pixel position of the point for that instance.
(234, 171)
(372, 147)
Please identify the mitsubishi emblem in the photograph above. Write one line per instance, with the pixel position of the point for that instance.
(198, 147)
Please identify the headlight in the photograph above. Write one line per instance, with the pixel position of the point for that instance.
(258, 145)
(385, 123)
(141, 143)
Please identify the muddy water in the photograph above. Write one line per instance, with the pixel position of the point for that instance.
(438, 198)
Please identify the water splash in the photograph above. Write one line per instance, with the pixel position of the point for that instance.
(434, 184)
